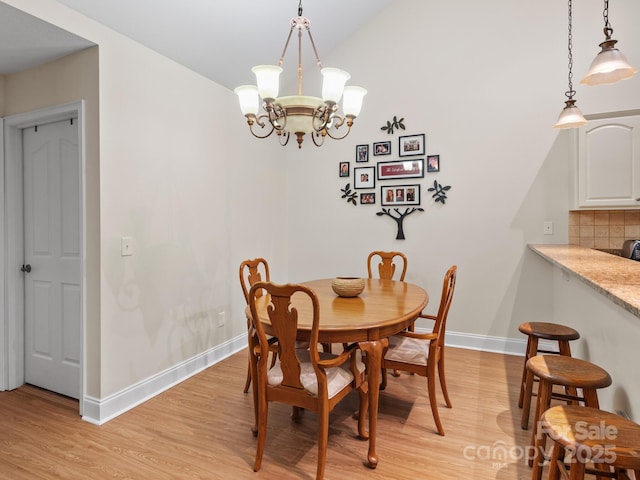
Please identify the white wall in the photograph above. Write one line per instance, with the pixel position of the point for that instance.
(485, 82)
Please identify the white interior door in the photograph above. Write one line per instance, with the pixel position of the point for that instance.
(52, 250)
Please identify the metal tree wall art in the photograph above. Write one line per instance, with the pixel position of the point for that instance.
(395, 124)
(440, 192)
(399, 218)
(348, 194)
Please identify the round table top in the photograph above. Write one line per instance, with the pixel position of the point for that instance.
(383, 308)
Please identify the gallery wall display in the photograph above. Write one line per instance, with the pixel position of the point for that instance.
(397, 199)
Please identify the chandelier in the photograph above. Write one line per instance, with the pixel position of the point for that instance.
(300, 114)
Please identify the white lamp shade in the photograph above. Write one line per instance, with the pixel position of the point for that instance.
(609, 66)
(333, 84)
(268, 78)
(570, 117)
(352, 100)
(248, 97)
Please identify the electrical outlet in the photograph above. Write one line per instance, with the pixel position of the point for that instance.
(221, 318)
(548, 228)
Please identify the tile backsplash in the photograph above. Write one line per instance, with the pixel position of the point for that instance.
(603, 228)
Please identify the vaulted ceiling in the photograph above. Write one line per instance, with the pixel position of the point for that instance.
(219, 40)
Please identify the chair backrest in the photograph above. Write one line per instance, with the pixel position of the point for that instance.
(252, 272)
(284, 323)
(448, 286)
(388, 263)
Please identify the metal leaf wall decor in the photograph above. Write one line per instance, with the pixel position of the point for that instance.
(393, 125)
(348, 194)
(440, 192)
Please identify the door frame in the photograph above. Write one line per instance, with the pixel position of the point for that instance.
(12, 240)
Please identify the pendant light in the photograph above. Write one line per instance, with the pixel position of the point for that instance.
(609, 66)
(571, 116)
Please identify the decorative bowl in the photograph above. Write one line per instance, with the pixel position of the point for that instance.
(347, 286)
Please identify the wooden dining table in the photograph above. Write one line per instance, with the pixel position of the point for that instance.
(384, 308)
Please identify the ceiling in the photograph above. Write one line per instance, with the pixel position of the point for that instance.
(221, 41)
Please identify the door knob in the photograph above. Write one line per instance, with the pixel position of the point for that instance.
(25, 268)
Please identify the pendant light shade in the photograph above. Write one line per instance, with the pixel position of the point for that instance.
(570, 116)
(610, 65)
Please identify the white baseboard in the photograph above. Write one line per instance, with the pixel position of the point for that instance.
(99, 411)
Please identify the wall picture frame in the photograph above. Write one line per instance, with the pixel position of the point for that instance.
(362, 153)
(433, 163)
(382, 148)
(411, 145)
(413, 168)
(343, 169)
(364, 177)
(398, 195)
(368, 198)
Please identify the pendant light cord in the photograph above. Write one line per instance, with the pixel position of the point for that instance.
(571, 92)
(607, 26)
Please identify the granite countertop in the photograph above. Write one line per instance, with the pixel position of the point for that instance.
(616, 277)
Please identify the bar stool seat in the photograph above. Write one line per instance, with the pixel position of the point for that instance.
(535, 331)
(587, 434)
(571, 373)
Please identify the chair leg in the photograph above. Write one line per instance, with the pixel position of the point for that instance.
(248, 381)
(443, 380)
(262, 432)
(524, 372)
(383, 375)
(556, 456)
(431, 386)
(323, 439)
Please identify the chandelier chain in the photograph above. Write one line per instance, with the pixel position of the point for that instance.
(607, 26)
(571, 92)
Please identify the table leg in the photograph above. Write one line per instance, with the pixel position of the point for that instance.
(374, 351)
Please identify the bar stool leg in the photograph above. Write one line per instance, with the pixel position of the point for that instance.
(526, 387)
(527, 355)
(538, 438)
(556, 457)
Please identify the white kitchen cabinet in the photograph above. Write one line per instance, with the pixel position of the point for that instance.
(608, 162)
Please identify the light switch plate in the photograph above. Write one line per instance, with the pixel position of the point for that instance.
(126, 245)
(548, 228)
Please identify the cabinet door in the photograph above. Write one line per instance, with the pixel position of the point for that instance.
(609, 162)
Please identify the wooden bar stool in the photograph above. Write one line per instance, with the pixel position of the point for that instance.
(571, 373)
(609, 441)
(534, 332)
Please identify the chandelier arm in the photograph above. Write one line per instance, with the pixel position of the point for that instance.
(336, 137)
(315, 135)
(276, 114)
(258, 121)
(284, 135)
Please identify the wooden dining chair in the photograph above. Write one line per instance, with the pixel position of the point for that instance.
(251, 272)
(423, 353)
(304, 378)
(388, 261)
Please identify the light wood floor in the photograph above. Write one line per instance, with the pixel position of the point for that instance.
(200, 429)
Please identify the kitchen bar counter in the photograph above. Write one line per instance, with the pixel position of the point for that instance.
(615, 277)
